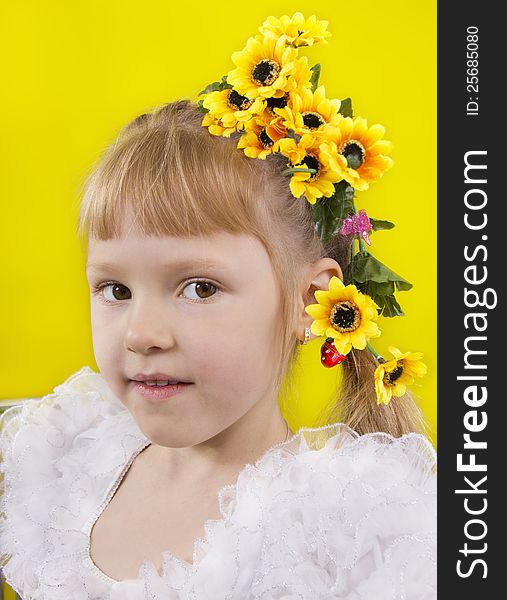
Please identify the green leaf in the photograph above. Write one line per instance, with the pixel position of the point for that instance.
(341, 203)
(379, 225)
(387, 303)
(375, 288)
(330, 212)
(377, 281)
(314, 79)
(292, 170)
(365, 267)
(201, 107)
(344, 190)
(216, 86)
(346, 108)
(390, 307)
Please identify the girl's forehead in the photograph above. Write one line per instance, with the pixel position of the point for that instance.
(221, 249)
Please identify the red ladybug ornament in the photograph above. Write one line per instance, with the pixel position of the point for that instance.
(329, 355)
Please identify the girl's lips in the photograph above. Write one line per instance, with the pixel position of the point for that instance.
(157, 377)
(159, 392)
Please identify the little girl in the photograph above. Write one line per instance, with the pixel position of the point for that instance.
(171, 473)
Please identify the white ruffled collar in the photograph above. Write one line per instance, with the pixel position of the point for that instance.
(226, 496)
(270, 463)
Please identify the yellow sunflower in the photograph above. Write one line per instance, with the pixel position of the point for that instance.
(231, 109)
(280, 102)
(267, 68)
(297, 30)
(393, 376)
(310, 112)
(345, 314)
(261, 136)
(216, 127)
(311, 153)
(362, 152)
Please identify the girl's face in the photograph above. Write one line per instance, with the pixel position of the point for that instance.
(202, 310)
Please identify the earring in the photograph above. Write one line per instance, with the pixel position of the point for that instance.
(307, 335)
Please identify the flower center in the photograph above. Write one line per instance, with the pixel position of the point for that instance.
(272, 103)
(312, 163)
(265, 140)
(354, 152)
(237, 101)
(265, 72)
(390, 378)
(312, 120)
(345, 316)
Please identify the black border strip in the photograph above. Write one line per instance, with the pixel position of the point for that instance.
(471, 266)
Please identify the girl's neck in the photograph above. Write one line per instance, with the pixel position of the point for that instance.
(225, 453)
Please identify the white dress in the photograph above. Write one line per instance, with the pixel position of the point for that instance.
(326, 515)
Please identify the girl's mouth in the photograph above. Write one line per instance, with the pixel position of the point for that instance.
(160, 390)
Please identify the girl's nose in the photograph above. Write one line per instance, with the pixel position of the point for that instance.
(149, 327)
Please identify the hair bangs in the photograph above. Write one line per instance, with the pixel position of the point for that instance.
(174, 181)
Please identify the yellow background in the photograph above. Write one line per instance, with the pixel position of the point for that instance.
(75, 72)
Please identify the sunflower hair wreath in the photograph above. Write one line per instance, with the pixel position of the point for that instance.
(273, 98)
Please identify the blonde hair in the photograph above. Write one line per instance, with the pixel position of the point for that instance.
(179, 180)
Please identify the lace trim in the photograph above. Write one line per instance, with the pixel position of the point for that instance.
(94, 517)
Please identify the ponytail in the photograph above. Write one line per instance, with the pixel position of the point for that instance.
(356, 401)
(356, 404)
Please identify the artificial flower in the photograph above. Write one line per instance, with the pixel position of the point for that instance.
(310, 112)
(312, 153)
(393, 376)
(357, 223)
(296, 30)
(216, 127)
(230, 109)
(267, 68)
(280, 102)
(362, 153)
(261, 136)
(345, 314)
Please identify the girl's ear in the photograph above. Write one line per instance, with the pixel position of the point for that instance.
(317, 277)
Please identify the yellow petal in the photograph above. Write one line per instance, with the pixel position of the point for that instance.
(384, 393)
(374, 133)
(358, 340)
(417, 369)
(336, 284)
(342, 345)
(323, 298)
(296, 187)
(360, 127)
(319, 327)
(399, 389)
(381, 147)
(317, 311)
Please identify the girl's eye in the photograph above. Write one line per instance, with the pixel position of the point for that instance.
(118, 291)
(203, 289)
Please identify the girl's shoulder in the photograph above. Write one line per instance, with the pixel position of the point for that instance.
(356, 512)
(380, 462)
(57, 456)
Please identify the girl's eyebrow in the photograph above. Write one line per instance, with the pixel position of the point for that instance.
(177, 265)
